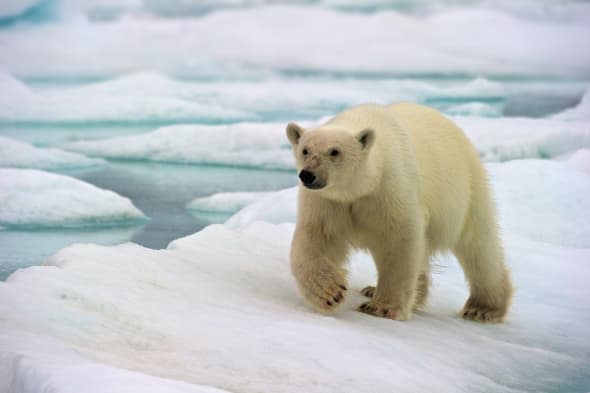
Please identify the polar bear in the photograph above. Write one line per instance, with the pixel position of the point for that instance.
(402, 182)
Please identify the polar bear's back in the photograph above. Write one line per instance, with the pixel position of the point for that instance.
(428, 153)
(448, 168)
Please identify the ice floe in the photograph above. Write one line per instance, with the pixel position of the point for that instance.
(244, 144)
(265, 144)
(220, 308)
(515, 138)
(17, 154)
(225, 202)
(141, 97)
(35, 199)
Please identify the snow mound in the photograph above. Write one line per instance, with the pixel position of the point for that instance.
(276, 208)
(244, 144)
(579, 160)
(579, 112)
(36, 199)
(506, 139)
(158, 97)
(525, 188)
(139, 97)
(17, 154)
(265, 144)
(211, 301)
(225, 202)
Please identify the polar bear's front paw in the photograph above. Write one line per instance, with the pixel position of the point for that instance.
(326, 295)
(325, 289)
(382, 310)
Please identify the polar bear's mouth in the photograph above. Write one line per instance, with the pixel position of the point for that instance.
(314, 186)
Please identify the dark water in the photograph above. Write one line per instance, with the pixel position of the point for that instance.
(162, 191)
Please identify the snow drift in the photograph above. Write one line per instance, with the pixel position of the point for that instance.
(32, 198)
(17, 154)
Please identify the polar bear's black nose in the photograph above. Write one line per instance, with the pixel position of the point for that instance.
(306, 177)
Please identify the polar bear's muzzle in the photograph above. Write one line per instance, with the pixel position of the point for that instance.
(310, 180)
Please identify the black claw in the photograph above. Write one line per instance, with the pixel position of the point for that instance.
(385, 311)
(342, 287)
(363, 307)
(329, 303)
(336, 300)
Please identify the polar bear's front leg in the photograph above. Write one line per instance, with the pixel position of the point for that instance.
(317, 264)
(398, 267)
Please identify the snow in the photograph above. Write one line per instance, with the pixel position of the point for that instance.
(33, 198)
(546, 194)
(220, 308)
(579, 112)
(147, 97)
(39, 364)
(219, 311)
(16, 154)
(506, 139)
(157, 97)
(225, 202)
(453, 41)
(204, 308)
(579, 160)
(276, 208)
(243, 144)
(152, 97)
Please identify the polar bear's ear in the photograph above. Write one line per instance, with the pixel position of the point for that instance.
(294, 133)
(366, 137)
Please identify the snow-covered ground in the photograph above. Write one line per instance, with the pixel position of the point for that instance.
(220, 309)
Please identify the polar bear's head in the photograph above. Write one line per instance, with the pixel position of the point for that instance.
(333, 161)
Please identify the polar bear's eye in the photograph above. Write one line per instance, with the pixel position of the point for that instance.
(334, 152)
(305, 152)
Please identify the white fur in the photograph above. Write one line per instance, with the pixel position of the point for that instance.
(404, 184)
